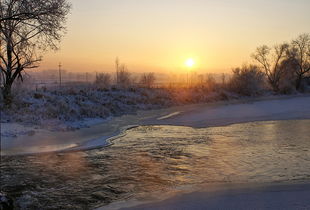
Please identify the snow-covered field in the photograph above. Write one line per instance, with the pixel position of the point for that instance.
(73, 108)
(21, 139)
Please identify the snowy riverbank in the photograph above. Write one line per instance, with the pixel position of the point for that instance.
(70, 109)
(35, 139)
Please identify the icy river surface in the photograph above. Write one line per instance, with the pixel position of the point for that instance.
(160, 160)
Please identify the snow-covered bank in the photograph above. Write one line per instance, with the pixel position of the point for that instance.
(241, 111)
(36, 140)
(70, 109)
(234, 196)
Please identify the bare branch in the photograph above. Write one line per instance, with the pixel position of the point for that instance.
(26, 27)
(269, 60)
(300, 52)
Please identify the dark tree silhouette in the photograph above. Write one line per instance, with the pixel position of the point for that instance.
(123, 76)
(300, 52)
(270, 60)
(248, 80)
(27, 28)
(103, 80)
(148, 80)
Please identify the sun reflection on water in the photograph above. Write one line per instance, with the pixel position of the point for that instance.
(158, 160)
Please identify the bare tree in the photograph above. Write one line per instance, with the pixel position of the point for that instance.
(248, 80)
(124, 76)
(210, 82)
(27, 29)
(223, 79)
(201, 80)
(117, 67)
(103, 80)
(270, 60)
(300, 52)
(25, 13)
(147, 80)
(287, 83)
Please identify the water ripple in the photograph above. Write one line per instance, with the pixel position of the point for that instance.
(160, 159)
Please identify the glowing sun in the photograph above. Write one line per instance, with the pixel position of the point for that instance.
(190, 62)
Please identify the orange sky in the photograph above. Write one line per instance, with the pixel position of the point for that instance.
(160, 35)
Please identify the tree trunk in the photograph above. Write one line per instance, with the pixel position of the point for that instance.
(298, 82)
(275, 88)
(7, 94)
(274, 85)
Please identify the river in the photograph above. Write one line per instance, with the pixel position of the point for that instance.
(152, 161)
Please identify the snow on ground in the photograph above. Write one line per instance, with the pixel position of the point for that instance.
(70, 109)
(36, 139)
(242, 111)
(12, 130)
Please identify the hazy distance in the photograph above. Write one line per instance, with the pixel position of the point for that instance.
(161, 35)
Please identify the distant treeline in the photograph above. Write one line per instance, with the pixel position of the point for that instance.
(283, 68)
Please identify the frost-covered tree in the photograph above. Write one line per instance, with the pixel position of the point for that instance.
(117, 68)
(147, 80)
(269, 60)
(123, 76)
(287, 83)
(248, 80)
(103, 80)
(27, 29)
(300, 52)
(210, 82)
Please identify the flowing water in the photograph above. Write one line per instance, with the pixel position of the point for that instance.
(152, 160)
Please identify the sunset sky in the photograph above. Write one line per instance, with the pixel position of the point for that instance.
(160, 35)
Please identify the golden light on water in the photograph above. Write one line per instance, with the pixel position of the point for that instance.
(190, 62)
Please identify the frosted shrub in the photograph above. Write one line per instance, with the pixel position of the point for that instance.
(67, 105)
(210, 84)
(287, 84)
(247, 80)
(103, 80)
(123, 77)
(147, 80)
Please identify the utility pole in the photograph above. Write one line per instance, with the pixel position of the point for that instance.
(117, 70)
(187, 80)
(59, 68)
